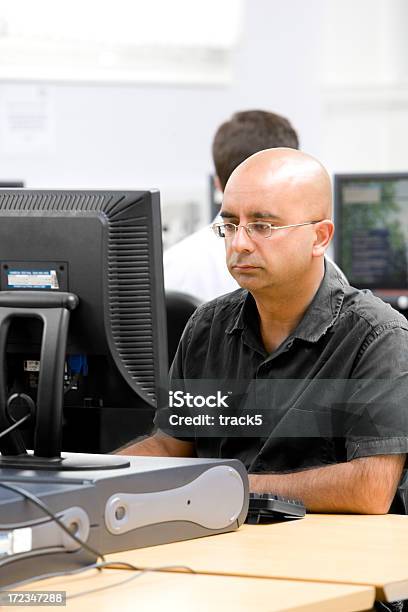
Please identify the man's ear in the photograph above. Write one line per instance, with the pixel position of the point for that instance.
(324, 231)
(217, 183)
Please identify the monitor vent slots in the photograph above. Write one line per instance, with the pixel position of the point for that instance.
(130, 301)
(23, 201)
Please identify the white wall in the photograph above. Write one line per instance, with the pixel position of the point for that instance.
(146, 136)
(337, 68)
(365, 85)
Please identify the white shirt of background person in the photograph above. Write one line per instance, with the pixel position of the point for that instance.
(196, 265)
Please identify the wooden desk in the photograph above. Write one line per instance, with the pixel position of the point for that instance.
(349, 549)
(186, 592)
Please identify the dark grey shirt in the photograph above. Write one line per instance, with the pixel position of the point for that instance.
(336, 389)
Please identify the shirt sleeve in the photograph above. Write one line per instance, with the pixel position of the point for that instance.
(378, 398)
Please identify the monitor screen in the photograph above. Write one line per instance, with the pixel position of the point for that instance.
(105, 248)
(371, 238)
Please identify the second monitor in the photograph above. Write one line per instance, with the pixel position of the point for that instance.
(371, 240)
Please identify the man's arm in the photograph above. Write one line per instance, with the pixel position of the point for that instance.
(159, 445)
(363, 486)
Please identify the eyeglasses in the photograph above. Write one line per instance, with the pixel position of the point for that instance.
(257, 229)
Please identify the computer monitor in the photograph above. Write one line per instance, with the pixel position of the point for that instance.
(215, 198)
(371, 238)
(11, 184)
(105, 248)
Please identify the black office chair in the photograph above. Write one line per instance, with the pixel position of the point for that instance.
(179, 308)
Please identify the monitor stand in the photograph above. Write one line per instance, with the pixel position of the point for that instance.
(53, 309)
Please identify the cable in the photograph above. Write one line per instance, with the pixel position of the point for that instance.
(99, 566)
(141, 572)
(15, 425)
(20, 583)
(115, 565)
(108, 586)
(40, 504)
(74, 381)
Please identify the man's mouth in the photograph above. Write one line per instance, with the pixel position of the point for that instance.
(244, 267)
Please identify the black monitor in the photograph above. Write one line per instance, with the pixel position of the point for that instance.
(94, 257)
(215, 198)
(371, 239)
(11, 184)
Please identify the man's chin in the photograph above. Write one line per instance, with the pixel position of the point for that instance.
(248, 281)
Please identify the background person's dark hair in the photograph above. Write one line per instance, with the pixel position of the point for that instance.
(246, 133)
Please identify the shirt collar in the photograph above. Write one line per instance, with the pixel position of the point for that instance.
(325, 307)
(319, 316)
(245, 303)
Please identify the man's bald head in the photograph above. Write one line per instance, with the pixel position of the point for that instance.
(288, 174)
(291, 192)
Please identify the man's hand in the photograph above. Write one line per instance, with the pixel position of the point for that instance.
(361, 486)
(159, 445)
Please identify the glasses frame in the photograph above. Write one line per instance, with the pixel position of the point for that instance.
(216, 226)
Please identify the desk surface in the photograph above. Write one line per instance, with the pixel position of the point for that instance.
(185, 592)
(349, 549)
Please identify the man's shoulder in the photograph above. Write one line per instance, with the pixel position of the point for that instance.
(364, 305)
(227, 304)
(222, 309)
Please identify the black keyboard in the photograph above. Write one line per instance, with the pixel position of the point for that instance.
(267, 507)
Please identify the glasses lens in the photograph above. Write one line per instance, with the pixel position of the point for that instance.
(229, 230)
(218, 230)
(259, 230)
(224, 230)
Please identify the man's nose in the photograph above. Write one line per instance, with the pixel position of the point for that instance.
(241, 241)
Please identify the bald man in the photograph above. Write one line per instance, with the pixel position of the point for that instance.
(317, 369)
